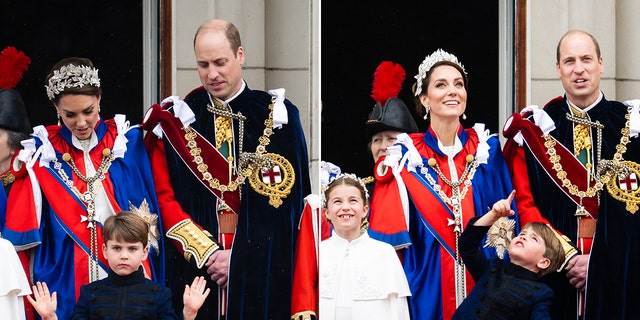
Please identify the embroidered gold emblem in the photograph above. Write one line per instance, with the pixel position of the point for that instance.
(275, 181)
(194, 241)
(625, 188)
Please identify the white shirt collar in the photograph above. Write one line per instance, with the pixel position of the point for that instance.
(589, 107)
(225, 102)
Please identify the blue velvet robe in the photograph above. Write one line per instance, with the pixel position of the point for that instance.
(613, 278)
(263, 249)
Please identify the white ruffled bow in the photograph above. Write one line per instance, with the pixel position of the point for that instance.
(180, 109)
(634, 120)
(120, 145)
(482, 152)
(45, 152)
(540, 118)
(279, 109)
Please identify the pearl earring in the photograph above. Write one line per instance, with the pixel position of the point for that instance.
(59, 118)
(464, 116)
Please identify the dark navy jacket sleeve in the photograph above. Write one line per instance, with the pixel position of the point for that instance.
(469, 245)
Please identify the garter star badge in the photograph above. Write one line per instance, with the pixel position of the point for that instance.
(151, 219)
(274, 182)
(500, 234)
(625, 187)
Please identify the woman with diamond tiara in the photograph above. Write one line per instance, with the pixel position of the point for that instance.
(69, 178)
(360, 278)
(442, 179)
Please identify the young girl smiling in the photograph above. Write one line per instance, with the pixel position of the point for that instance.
(360, 278)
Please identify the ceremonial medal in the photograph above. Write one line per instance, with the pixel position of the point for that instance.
(151, 219)
(625, 187)
(500, 234)
(274, 181)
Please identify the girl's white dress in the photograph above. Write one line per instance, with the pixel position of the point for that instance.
(13, 283)
(361, 279)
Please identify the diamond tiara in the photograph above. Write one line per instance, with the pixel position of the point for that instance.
(344, 176)
(71, 76)
(429, 61)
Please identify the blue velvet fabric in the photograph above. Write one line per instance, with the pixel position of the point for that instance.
(124, 297)
(613, 279)
(503, 290)
(260, 273)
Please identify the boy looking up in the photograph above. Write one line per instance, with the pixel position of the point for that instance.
(509, 289)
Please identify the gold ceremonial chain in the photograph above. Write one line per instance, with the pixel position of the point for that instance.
(88, 197)
(456, 196)
(455, 202)
(214, 183)
(582, 139)
(269, 174)
(609, 167)
(247, 162)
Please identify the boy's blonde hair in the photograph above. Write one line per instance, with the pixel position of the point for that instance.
(553, 248)
(126, 226)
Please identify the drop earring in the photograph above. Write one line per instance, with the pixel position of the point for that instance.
(426, 115)
(464, 116)
(59, 118)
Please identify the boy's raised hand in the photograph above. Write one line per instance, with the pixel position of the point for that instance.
(502, 208)
(194, 297)
(44, 303)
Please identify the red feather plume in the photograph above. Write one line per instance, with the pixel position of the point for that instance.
(387, 81)
(13, 64)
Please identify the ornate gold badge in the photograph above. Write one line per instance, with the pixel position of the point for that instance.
(625, 187)
(195, 242)
(275, 181)
(151, 219)
(500, 234)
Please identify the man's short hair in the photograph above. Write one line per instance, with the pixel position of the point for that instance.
(595, 42)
